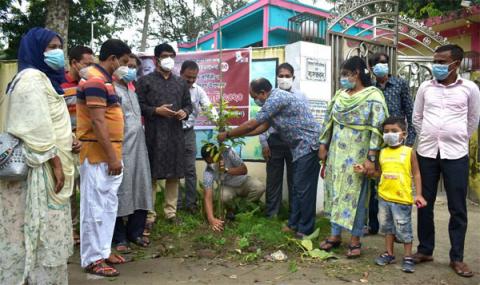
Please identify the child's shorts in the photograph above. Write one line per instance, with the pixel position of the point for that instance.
(395, 219)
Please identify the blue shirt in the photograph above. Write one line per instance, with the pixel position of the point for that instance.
(293, 121)
(399, 103)
(264, 136)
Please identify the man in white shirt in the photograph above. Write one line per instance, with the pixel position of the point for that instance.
(200, 102)
(445, 115)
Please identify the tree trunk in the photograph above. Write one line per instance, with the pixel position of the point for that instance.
(143, 43)
(57, 19)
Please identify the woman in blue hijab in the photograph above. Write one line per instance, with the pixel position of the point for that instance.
(42, 49)
(36, 228)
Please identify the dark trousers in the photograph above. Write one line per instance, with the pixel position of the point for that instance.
(455, 175)
(304, 197)
(131, 229)
(373, 224)
(280, 155)
(188, 197)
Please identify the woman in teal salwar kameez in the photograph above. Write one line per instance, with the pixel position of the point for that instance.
(351, 135)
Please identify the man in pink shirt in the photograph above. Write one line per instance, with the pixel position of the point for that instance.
(446, 113)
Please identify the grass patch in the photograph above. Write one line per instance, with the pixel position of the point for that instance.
(247, 239)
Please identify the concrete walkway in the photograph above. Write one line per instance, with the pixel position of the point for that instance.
(170, 270)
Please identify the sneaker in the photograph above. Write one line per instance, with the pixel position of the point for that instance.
(385, 259)
(408, 265)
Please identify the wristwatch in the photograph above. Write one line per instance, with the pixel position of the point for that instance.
(372, 157)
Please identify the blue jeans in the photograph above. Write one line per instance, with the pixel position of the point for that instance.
(304, 197)
(360, 216)
(395, 219)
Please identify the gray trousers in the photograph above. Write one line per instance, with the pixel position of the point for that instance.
(187, 197)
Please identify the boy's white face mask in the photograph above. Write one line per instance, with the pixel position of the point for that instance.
(392, 139)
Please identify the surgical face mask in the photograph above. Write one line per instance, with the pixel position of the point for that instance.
(131, 75)
(380, 69)
(121, 72)
(167, 64)
(285, 83)
(392, 139)
(440, 71)
(54, 58)
(346, 83)
(83, 72)
(259, 102)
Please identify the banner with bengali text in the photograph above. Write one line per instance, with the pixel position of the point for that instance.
(236, 75)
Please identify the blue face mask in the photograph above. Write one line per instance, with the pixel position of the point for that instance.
(259, 102)
(346, 84)
(55, 59)
(130, 76)
(380, 69)
(440, 71)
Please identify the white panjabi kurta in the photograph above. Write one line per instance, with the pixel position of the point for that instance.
(135, 192)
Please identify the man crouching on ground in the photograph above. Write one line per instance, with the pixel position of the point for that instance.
(236, 182)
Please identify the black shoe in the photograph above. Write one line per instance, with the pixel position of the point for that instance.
(175, 221)
(192, 210)
(230, 216)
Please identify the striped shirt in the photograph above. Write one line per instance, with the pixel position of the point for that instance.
(96, 91)
(70, 96)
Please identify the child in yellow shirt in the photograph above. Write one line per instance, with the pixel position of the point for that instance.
(398, 163)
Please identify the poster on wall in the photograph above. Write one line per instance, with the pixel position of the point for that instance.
(236, 73)
(252, 150)
(262, 68)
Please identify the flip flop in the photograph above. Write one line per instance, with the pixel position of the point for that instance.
(123, 248)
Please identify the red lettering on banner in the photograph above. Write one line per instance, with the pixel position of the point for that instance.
(236, 76)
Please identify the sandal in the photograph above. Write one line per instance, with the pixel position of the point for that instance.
(351, 248)
(117, 259)
(123, 248)
(101, 268)
(328, 245)
(141, 241)
(461, 269)
(76, 238)
(148, 228)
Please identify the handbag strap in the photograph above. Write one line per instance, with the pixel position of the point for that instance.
(13, 83)
(10, 87)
